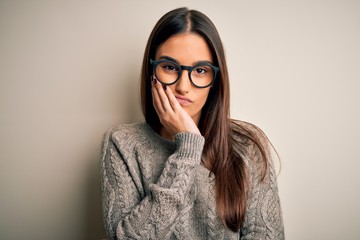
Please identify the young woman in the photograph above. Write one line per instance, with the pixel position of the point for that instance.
(189, 171)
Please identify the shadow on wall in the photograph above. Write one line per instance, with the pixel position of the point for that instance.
(128, 110)
(94, 227)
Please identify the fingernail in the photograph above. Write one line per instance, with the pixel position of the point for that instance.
(164, 86)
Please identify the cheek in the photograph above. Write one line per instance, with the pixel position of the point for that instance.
(200, 100)
(202, 96)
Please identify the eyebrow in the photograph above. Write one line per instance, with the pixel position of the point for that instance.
(174, 60)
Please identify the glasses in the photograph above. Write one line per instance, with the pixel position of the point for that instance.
(201, 75)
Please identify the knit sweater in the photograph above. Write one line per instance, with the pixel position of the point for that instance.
(158, 189)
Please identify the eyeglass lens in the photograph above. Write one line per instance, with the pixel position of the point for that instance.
(201, 75)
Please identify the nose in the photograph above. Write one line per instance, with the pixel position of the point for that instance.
(183, 85)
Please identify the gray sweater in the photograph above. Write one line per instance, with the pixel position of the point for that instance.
(157, 189)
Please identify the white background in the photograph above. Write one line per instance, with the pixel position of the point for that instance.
(70, 69)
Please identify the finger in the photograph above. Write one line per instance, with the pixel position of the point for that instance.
(156, 98)
(163, 97)
(172, 99)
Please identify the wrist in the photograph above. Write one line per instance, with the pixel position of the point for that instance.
(189, 143)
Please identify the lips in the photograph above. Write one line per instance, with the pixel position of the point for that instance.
(183, 100)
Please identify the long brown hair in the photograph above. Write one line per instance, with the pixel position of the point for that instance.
(228, 166)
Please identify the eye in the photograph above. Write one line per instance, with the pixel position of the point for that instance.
(169, 67)
(201, 70)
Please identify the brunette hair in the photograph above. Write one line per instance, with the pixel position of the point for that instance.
(228, 166)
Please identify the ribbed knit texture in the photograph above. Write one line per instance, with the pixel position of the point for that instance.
(157, 189)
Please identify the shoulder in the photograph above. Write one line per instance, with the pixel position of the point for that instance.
(239, 126)
(249, 141)
(124, 137)
(125, 132)
(126, 128)
(246, 133)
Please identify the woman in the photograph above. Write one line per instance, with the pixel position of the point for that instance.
(189, 172)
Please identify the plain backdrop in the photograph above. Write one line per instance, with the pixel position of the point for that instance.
(69, 70)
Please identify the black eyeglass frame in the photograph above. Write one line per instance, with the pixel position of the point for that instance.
(188, 68)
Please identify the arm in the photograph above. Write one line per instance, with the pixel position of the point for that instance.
(263, 219)
(126, 215)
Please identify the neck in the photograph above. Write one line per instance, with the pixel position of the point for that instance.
(166, 134)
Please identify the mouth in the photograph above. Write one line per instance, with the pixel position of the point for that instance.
(183, 100)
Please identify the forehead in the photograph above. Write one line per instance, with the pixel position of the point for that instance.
(186, 48)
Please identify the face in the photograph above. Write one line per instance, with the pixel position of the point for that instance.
(187, 49)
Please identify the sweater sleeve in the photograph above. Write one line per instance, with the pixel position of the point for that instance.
(263, 218)
(127, 215)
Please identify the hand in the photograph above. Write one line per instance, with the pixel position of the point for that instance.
(172, 116)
